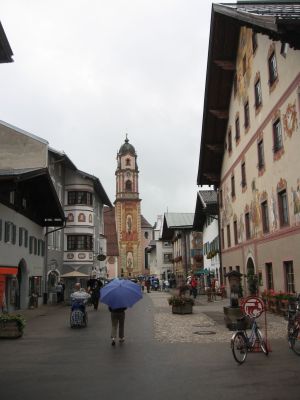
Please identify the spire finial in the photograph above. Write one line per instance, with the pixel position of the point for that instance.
(126, 140)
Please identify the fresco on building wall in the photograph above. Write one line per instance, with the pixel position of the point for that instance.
(255, 211)
(129, 261)
(273, 212)
(81, 217)
(290, 122)
(244, 62)
(197, 240)
(227, 211)
(296, 201)
(70, 217)
(241, 228)
(129, 223)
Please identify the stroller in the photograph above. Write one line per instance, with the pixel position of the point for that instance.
(78, 316)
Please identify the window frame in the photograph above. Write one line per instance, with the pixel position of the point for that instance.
(283, 208)
(277, 136)
(273, 68)
(260, 154)
(265, 216)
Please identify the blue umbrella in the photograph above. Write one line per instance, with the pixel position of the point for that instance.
(120, 293)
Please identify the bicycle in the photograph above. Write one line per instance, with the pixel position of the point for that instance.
(241, 343)
(293, 328)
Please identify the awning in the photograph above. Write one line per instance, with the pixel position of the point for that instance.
(8, 270)
(204, 271)
(74, 274)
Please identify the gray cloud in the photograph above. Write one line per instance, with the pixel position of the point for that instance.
(87, 72)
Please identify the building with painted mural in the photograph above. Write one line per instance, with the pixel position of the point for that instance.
(128, 212)
(112, 247)
(251, 138)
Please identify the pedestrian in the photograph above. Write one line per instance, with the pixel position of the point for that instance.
(194, 285)
(147, 284)
(94, 286)
(60, 291)
(117, 321)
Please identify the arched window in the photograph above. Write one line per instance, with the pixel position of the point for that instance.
(128, 186)
(127, 161)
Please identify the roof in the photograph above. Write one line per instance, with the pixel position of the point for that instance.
(36, 186)
(280, 21)
(206, 205)
(64, 158)
(5, 49)
(127, 148)
(145, 223)
(176, 221)
(98, 187)
(110, 231)
(22, 132)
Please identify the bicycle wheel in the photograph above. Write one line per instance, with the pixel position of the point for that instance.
(294, 341)
(262, 343)
(239, 347)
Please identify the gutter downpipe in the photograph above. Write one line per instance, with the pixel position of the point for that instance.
(220, 241)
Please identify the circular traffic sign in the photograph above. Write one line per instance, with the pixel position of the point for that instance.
(253, 306)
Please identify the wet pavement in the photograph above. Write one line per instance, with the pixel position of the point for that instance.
(53, 361)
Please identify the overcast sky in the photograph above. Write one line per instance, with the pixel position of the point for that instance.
(86, 72)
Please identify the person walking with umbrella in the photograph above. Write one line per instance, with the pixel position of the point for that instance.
(119, 294)
(117, 319)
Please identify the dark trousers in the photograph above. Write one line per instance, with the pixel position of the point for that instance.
(117, 319)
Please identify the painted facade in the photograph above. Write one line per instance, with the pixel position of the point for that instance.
(260, 179)
(128, 212)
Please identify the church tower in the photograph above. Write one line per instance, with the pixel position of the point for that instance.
(128, 211)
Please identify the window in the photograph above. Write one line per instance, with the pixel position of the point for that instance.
(258, 94)
(31, 244)
(229, 142)
(283, 208)
(254, 41)
(273, 74)
(168, 258)
(146, 235)
(26, 238)
(237, 129)
(277, 135)
(127, 161)
(289, 276)
(10, 232)
(12, 197)
(235, 232)
(0, 230)
(247, 225)
(260, 153)
(228, 236)
(246, 115)
(269, 276)
(167, 244)
(80, 197)
(243, 171)
(128, 186)
(265, 216)
(79, 242)
(232, 186)
(20, 236)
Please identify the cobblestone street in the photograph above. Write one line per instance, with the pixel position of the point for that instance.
(205, 325)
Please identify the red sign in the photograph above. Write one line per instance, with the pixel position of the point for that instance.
(253, 306)
(8, 270)
(2, 289)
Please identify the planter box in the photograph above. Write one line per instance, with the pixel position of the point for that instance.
(10, 329)
(185, 309)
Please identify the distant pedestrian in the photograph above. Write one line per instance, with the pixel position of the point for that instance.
(194, 285)
(147, 284)
(60, 289)
(117, 321)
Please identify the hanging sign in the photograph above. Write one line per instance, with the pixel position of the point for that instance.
(253, 306)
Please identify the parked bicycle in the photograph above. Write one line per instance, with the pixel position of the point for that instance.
(293, 329)
(241, 343)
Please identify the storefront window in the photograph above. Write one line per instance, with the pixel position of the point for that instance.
(35, 285)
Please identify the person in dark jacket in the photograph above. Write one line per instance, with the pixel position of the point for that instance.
(117, 319)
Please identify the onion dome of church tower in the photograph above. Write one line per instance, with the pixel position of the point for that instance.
(127, 148)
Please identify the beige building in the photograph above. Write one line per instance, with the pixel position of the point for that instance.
(251, 139)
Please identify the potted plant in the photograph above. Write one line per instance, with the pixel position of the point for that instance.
(11, 325)
(181, 304)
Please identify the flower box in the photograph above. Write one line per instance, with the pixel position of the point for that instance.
(11, 326)
(184, 309)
